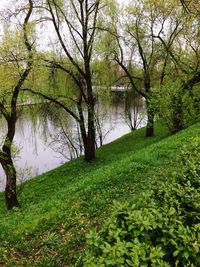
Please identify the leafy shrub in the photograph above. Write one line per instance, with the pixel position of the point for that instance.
(162, 227)
(190, 163)
(139, 236)
(174, 103)
(184, 193)
(189, 182)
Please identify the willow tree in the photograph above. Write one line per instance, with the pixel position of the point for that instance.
(184, 73)
(138, 53)
(16, 60)
(75, 24)
(191, 6)
(148, 38)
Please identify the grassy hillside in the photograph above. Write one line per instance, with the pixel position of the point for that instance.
(61, 206)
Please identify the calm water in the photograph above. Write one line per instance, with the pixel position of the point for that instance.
(37, 139)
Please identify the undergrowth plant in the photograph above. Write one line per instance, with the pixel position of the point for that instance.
(162, 227)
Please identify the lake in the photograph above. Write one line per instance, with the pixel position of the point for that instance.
(38, 140)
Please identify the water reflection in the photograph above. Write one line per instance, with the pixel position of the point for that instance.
(38, 133)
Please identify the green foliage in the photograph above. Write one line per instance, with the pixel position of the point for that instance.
(185, 190)
(161, 228)
(190, 159)
(12, 50)
(144, 236)
(60, 207)
(174, 103)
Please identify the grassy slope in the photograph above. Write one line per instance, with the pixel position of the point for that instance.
(59, 207)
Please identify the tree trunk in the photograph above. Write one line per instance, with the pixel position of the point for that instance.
(87, 138)
(10, 190)
(91, 140)
(150, 121)
(90, 150)
(178, 113)
(6, 156)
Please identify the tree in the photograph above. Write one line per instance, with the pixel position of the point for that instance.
(139, 54)
(184, 53)
(75, 24)
(154, 38)
(191, 6)
(16, 61)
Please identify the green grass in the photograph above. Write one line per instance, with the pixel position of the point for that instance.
(58, 208)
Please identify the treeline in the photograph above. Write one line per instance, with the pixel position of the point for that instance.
(151, 47)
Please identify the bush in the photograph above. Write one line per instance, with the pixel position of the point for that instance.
(176, 105)
(184, 193)
(161, 229)
(142, 236)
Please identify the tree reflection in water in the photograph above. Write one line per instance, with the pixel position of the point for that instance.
(47, 136)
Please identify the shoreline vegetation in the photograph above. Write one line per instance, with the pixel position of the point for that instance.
(60, 207)
(135, 201)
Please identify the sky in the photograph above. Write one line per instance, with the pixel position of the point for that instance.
(2, 3)
(5, 3)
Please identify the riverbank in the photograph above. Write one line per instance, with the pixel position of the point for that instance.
(61, 206)
(40, 135)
